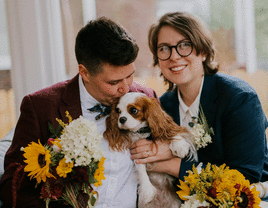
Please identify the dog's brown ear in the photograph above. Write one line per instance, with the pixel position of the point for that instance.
(161, 124)
(112, 130)
(117, 139)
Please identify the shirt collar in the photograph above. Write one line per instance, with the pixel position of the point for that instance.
(86, 99)
(194, 108)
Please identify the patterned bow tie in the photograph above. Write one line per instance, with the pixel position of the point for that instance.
(102, 109)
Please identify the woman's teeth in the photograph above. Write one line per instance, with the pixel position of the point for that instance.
(178, 68)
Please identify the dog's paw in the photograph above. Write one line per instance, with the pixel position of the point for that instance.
(179, 146)
(147, 194)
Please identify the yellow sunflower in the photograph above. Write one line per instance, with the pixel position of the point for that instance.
(38, 161)
(185, 190)
(64, 168)
(234, 175)
(99, 174)
(226, 190)
(248, 197)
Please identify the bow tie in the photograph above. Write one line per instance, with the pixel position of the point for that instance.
(102, 109)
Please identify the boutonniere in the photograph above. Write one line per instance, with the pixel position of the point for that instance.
(200, 130)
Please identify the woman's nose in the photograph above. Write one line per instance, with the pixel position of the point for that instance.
(174, 55)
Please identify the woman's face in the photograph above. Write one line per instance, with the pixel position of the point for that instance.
(182, 71)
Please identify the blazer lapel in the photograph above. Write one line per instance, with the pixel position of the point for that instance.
(71, 100)
(208, 97)
(172, 105)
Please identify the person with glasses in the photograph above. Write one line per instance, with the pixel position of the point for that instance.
(183, 49)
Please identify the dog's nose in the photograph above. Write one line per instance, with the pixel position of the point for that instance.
(122, 120)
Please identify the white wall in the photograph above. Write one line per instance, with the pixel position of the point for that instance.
(36, 45)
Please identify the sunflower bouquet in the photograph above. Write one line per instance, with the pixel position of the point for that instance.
(217, 187)
(68, 164)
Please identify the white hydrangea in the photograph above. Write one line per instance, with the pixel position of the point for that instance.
(193, 202)
(201, 137)
(81, 142)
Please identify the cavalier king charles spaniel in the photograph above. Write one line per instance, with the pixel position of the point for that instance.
(136, 117)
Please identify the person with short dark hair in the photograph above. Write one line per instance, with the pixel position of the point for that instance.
(104, 41)
(182, 48)
(105, 53)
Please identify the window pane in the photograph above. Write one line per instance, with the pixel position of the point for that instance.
(261, 24)
(7, 106)
(4, 44)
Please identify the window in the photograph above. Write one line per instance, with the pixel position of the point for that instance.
(7, 107)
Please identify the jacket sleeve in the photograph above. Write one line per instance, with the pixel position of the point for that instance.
(27, 130)
(243, 135)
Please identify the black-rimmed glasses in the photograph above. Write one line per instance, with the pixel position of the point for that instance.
(184, 48)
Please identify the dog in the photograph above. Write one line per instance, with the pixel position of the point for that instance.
(136, 117)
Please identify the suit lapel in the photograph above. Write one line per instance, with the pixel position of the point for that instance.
(71, 100)
(173, 105)
(208, 97)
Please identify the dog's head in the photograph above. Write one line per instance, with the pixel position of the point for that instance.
(135, 111)
(131, 112)
(127, 115)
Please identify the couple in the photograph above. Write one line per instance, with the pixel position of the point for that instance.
(182, 48)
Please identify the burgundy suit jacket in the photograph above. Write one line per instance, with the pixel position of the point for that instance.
(37, 110)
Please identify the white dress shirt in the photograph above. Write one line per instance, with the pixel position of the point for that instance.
(119, 189)
(186, 113)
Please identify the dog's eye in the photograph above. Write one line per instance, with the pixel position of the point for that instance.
(133, 111)
(118, 110)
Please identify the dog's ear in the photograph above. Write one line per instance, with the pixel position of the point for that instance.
(112, 131)
(161, 124)
(118, 140)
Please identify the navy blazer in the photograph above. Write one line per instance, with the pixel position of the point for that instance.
(233, 109)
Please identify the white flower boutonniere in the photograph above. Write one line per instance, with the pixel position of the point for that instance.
(200, 130)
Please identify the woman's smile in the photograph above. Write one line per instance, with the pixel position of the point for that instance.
(178, 68)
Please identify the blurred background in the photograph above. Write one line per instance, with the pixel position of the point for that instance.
(37, 42)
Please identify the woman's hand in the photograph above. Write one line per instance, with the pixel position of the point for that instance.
(145, 151)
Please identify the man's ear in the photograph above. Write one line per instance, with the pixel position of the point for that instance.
(83, 72)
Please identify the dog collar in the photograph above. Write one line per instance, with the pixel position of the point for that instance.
(144, 130)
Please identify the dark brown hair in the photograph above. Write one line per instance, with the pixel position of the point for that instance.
(194, 30)
(102, 41)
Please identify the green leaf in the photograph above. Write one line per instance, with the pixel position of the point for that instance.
(92, 200)
(54, 133)
(92, 180)
(58, 130)
(51, 129)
